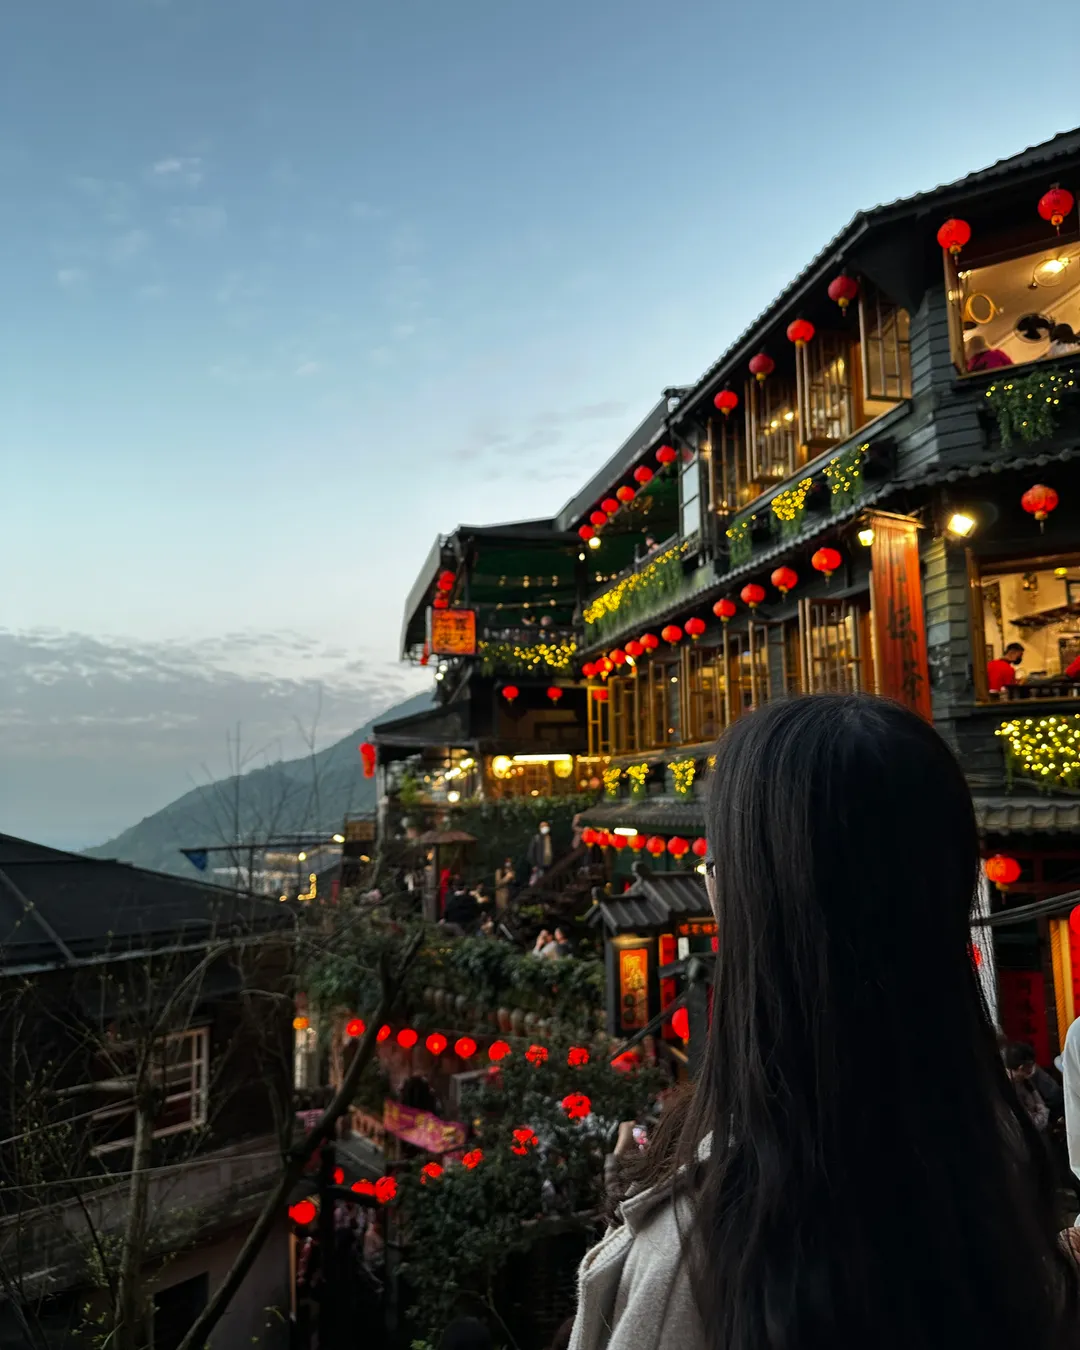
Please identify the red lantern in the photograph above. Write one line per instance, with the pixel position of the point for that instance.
(385, 1190)
(1055, 205)
(727, 400)
(605, 665)
(465, 1048)
(752, 594)
(625, 494)
(667, 454)
(1074, 920)
(407, 1038)
(440, 602)
(600, 695)
(498, 1050)
(699, 848)
(446, 581)
(643, 474)
(588, 670)
(577, 1056)
(801, 331)
(601, 838)
(953, 235)
(680, 1023)
(762, 366)
(617, 657)
(695, 627)
(430, 1172)
(1001, 870)
(524, 1139)
(678, 847)
(510, 692)
(303, 1212)
(598, 518)
(826, 560)
(586, 532)
(383, 1034)
(577, 1106)
(588, 836)
(610, 505)
(1039, 501)
(617, 842)
(650, 641)
(725, 610)
(785, 579)
(554, 693)
(472, 1159)
(843, 289)
(671, 633)
(368, 754)
(436, 1043)
(355, 1027)
(655, 845)
(634, 648)
(636, 842)
(363, 1187)
(536, 1055)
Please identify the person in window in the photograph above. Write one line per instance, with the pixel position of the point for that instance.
(981, 357)
(1063, 341)
(1001, 672)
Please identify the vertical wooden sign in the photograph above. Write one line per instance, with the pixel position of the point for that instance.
(896, 597)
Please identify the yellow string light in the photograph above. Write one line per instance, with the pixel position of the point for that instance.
(611, 782)
(1045, 750)
(788, 506)
(612, 599)
(538, 656)
(682, 772)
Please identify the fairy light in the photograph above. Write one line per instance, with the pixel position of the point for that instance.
(1043, 749)
(845, 471)
(682, 773)
(637, 774)
(788, 506)
(650, 575)
(523, 656)
(1023, 405)
(611, 782)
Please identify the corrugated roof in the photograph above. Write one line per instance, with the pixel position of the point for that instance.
(1027, 815)
(662, 816)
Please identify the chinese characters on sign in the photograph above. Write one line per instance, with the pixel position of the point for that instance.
(422, 1129)
(453, 632)
(697, 928)
(634, 988)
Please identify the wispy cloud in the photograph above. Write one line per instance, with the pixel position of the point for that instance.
(307, 368)
(201, 222)
(566, 436)
(177, 171)
(71, 278)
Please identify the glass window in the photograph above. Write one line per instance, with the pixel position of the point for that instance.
(689, 494)
(1016, 311)
(1031, 629)
(885, 333)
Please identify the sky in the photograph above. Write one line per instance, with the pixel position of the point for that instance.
(289, 287)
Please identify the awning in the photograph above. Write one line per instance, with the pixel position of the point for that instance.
(653, 901)
(659, 816)
(1027, 815)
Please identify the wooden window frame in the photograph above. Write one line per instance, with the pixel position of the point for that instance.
(195, 1088)
(882, 304)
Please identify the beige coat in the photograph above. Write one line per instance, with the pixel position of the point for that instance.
(633, 1288)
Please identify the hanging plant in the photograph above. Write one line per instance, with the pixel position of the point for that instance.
(1026, 406)
(789, 508)
(844, 474)
(682, 774)
(637, 775)
(611, 782)
(638, 593)
(740, 544)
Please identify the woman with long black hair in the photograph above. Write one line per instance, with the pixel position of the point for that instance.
(853, 1170)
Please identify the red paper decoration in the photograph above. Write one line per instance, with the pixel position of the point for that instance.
(752, 594)
(680, 1023)
(725, 609)
(384, 1033)
(617, 657)
(473, 1158)
(363, 1187)
(785, 579)
(801, 331)
(667, 454)
(577, 1106)
(577, 1056)
(727, 400)
(1039, 501)
(524, 1139)
(826, 560)
(537, 1054)
(588, 670)
(588, 836)
(625, 494)
(436, 1043)
(634, 648)
(385, 1190)
(430, 1172)
(446, 581)
(643, 474)
(636, 842)
(1001, 870)
(695, 627)
(699, 848)
(369, 755)
(598, 518)
(617, 842)
(678, 847)
(407, 1038)
(655, 845)
(762, 366)
(355, 1027)
(303, 1212)
(554, 693)
(1074, 920)
(671, 633)
(610, 505)
(510, 692)
(1055, 205)
(465, 1047)
(601, 695)
(953, 235)
(498, 1050)
(650, 641)
(586, 532)
(843, 289)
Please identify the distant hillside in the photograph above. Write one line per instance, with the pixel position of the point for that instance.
(313, 793)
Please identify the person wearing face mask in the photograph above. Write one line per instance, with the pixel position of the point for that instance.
(541, 852)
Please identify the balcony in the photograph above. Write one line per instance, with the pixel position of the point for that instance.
(656, 584)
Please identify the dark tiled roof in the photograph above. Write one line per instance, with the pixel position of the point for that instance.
(1027, 815)
(654, 900)
(1017, 463)
(650, 817)
(57, 906)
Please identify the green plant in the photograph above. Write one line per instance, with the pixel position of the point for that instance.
(638, 594)
(1026, 406)
(740, 545)
(789, 508)
(1044, 751)
(844, 474)
(638, 775)
(522, 658)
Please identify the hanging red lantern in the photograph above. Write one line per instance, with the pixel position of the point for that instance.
(801, 331)
(725, 609)
(605, 665)
(554, 693)
(383, 1033)
(430, 1172)
(727, 400)
(655, 845)
(303, 1212)
(752, 594)
(680, 1023)
(699, 847)
(524, 1139)
(440, 602)
(586, 532)
(498, 1050)
(1055, 205)
(610, 505)
(588, 670)
(826, 560)
(634, 648)
(671, 633)
(625, 494)
(363, 1187)
(643, 474)
(843, 289)
(636, 842)
(678, 847)
(650, 641)
(472, 1159)
(667, 454)
(1074, 921)
(368, 754)
(588, 836)
(601, 838)
(465, 1047)
(617, 656)
(598, 518)
(510, 692)
(577, 1106)
(695, 627)
(577, 1056)
(536, 1055)
(355, 1027)
(953, 235)
(435, 1043)
(762, 366)
(407, 1038)
(617, 842)
(446, 581)
(385, 1190)
(1001, 870)
(785, 579)
(600, 695)
(1039, 501)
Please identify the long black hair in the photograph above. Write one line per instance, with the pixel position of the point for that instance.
(872, 1180)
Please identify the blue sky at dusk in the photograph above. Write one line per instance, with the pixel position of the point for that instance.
(287, 288)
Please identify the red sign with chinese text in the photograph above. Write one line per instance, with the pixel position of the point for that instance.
(453, 632)
(634, 988)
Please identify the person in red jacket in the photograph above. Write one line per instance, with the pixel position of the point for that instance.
(1072, 670)
(1001, 672)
